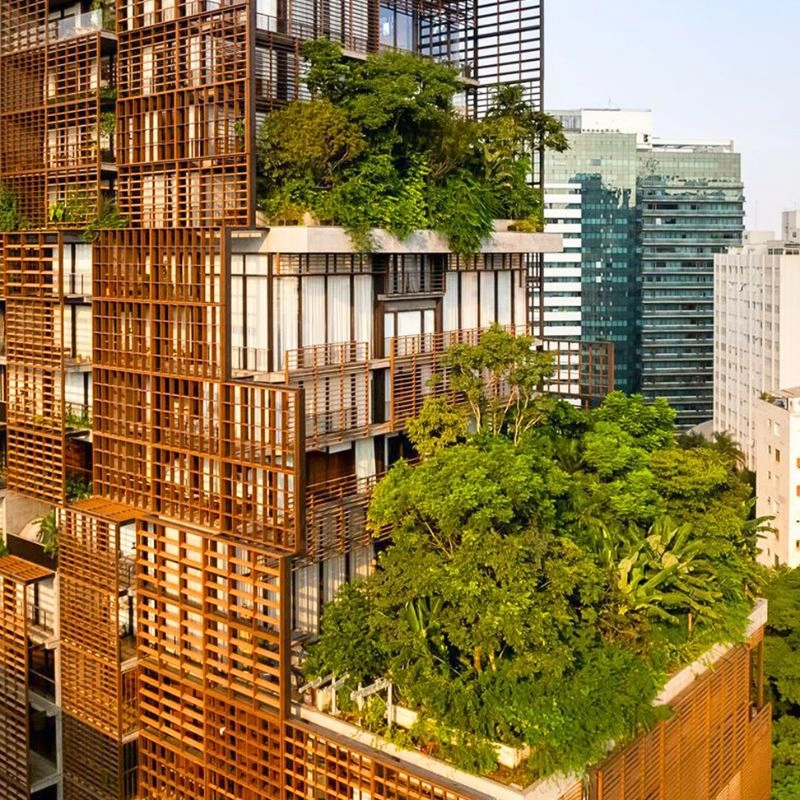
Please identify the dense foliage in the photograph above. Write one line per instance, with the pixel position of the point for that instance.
(11, 219)
(544, 573)
(382, 145)
(783, 680)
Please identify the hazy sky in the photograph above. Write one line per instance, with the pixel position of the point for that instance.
(708, 69)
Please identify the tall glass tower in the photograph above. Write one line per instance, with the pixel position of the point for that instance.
(653, 215)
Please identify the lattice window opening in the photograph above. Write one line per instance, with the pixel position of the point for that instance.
(22, 147)
(206, 196)
(336, 404)
(74, 70)
(212, 53)
(172, 706)
(122, 333)
(22, 81)
(22, 24)
(187, 486)
(70, 144)
(186, 340)
(34, 397)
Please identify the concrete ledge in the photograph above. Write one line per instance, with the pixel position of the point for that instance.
(683, 679)
(548, 789)
(331, 239)
(542, 790)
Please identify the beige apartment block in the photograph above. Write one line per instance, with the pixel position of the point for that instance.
(778, 475)
(756, 330)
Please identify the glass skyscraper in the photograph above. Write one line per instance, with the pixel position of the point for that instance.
(653, 215)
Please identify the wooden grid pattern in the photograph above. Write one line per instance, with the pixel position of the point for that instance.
(262, 455)
(185, 107)
(14, 732)
(35, 370)
(92, 763)
(584, 370)
(56, 78)
(336, 383)
(214, 662)
(89, 599)
(74, 152)
(319, 767)
(157, 319)
(336, 517)
(715, 746)
(414, 360)
(23, 35)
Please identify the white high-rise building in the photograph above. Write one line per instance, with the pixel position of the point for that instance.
(778, 476)
(756, 330)
(562, 271)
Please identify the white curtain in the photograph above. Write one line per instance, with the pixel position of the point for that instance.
(520, 310)
(450, 303)
(488, 315)
(363, 309)
(306, 599)
(338, 300)
(361, 561)
(365, 457)
(313, 310)
(504, 298)
(333, 576)
(285, 318)
(469, 300)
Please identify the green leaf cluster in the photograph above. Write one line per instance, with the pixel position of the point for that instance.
(11, 218)
(48, 533)
(381, 144)
(537, 587)
(83, 209)
(782, 672)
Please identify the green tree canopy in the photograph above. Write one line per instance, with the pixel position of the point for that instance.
(382, 144)
(538, 584)
(782, 642)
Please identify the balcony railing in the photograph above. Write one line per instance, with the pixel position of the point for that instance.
(41, 619)
(336, 424)
(81, 25)
(250, 359)
(336, 515)
(318, 357)
(290, 27)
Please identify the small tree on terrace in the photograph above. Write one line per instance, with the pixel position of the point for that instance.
(501, 378)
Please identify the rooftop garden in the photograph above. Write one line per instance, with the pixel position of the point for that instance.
(545, 570)
(382, 144)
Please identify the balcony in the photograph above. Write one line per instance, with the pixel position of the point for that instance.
(336, 380)
(81, 25)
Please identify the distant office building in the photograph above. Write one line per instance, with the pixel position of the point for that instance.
(562, 271)
(756, 329)
(654, 213)
(557, 308)
(778, 475)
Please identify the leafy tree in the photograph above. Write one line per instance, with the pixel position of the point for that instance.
(381, 144)
(534, 590)
(501, 378)
(438, 425)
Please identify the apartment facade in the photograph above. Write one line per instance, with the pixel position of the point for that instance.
(244, 389)
(654, 215)
(777, 466)
(756, 328)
